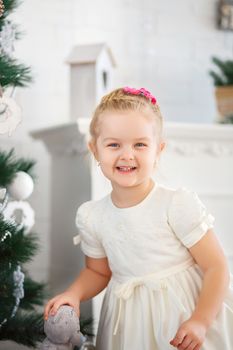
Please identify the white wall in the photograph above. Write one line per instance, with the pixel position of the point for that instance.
(163, 45)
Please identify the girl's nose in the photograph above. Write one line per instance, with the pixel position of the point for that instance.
(127, 153)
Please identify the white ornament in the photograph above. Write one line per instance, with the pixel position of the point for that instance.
(2, 193)
(21, 187)
(10, 115)
(26, 211)
(18, 276)
(18, 292)
(7, 38)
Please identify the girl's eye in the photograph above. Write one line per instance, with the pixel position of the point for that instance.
(140, 143)
(112, 144)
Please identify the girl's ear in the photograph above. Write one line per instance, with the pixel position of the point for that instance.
(89, 146)
(92, 148)
(160, 149)
(162, 146)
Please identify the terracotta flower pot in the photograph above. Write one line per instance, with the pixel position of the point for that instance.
(224, 98)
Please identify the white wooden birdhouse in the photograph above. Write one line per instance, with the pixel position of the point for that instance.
(91, 68)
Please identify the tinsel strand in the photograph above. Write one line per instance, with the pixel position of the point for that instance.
(18, 291)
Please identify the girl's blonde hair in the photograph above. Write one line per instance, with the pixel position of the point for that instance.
(118, 100)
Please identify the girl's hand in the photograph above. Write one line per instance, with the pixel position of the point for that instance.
(190, 335)
(66, 298)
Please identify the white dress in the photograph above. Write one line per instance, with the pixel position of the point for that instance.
(155, 282)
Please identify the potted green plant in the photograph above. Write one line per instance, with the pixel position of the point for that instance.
(223, 81)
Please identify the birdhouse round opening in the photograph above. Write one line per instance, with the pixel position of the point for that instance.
(105, 79)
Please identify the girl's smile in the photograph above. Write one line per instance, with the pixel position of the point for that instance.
(126, 170)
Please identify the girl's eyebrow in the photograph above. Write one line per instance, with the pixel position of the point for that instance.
(114, 138)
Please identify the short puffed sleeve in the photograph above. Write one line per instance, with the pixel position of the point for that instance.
(90, 243)
(188, 217)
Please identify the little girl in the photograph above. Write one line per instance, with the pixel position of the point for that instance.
(153, 247)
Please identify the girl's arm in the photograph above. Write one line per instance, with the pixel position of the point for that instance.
(91, 281)
(209, 255)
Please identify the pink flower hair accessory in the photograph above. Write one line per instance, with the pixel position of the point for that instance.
(140, 91)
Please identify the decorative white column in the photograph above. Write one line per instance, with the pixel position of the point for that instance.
(71, 184)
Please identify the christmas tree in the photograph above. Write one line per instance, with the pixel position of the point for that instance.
(19, 294)
(21, 319)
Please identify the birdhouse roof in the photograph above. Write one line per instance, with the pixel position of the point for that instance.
(88, 53)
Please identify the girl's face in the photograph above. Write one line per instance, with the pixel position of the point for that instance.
(126, 139)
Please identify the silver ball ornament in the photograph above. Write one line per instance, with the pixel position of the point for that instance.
(21, 187)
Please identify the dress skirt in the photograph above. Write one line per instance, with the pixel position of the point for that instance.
(146, 312)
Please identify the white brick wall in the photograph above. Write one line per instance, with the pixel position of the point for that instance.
(162, 45)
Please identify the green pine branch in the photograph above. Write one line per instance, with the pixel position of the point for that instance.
(7, 283)
(9, 166)
(7, 299)
(34, 293)
(13, 73)
(24, 328)
(19, 248)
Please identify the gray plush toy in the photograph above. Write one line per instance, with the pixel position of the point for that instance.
(62, 330)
